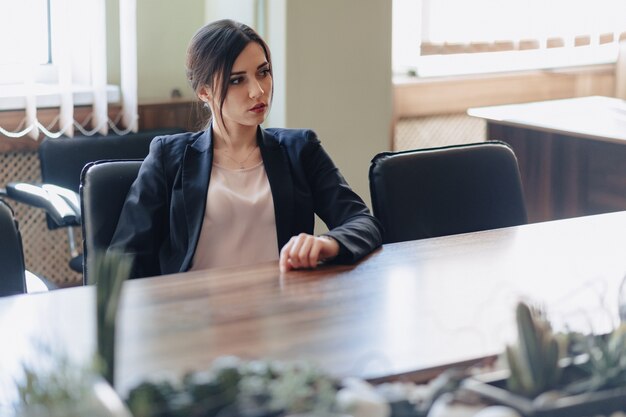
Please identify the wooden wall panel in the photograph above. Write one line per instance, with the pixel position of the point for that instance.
(183, 113)
(416, 97)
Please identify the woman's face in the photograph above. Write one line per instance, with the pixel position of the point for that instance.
(249, 90)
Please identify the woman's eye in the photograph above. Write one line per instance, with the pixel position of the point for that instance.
(265, 72)
(235, 81)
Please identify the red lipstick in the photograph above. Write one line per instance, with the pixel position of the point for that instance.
(259, 108)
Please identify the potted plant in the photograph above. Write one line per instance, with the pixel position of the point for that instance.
(538, 383)
(233, 387)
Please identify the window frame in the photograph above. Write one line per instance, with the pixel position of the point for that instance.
(408, 60)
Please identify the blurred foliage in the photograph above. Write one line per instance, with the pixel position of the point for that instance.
(232, 387)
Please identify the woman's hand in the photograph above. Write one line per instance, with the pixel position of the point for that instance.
(306, 251)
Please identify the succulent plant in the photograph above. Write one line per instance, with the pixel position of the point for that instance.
(534, 361)
(232, 387)
(606, 365)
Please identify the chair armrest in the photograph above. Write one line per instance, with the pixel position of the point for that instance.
(58, 209)
(71, 197)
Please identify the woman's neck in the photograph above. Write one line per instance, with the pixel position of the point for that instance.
(237, 138)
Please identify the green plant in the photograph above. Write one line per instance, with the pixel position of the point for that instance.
(109, 272)
(54, 379)
(231, 387)
(54, 385)
(548, 385)
(534, 361)
(606, 364)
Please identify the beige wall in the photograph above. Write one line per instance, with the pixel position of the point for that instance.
(338, 79)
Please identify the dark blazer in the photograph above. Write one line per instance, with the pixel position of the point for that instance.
(164, 210)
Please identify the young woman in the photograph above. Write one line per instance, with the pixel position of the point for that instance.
(236, 194)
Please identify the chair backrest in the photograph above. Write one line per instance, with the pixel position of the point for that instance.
(12, 277)
(103, 190)
(63, 159)
(442, 191)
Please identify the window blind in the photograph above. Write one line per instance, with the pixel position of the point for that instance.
(79, 68)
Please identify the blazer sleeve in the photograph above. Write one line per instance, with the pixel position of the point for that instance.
(345, 214)
(141, 226)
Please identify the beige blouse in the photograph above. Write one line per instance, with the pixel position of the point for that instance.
(239, 227)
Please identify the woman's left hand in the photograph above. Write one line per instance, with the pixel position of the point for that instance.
(306, 251)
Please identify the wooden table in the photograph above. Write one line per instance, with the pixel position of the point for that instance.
(572, 153)
(407, 309)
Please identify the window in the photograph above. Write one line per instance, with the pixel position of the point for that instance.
(34, 45)
(28, 19)
(57, 59)
(445, 37)
(34, 62)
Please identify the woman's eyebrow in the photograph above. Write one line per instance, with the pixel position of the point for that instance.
(243, 72)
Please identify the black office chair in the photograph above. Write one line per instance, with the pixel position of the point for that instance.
(14, 279)
(103, 190)
(426, 193)
(62, 161)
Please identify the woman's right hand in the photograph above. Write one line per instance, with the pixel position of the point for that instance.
(306, 251)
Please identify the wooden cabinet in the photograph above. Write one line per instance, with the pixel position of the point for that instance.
(571, 153)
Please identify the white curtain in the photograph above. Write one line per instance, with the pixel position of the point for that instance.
(78, 69)
(128, 63)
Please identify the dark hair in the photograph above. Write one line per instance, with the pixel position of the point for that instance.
(213, 51)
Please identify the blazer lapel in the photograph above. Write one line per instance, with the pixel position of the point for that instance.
(196, 172)
(279, 176)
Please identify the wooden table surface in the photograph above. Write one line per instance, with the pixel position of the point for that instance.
(406, 309)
